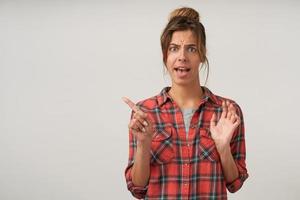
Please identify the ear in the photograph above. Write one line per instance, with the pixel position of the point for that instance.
(166, 71)
(201, 65)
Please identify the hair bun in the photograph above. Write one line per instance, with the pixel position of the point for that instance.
(185, 12)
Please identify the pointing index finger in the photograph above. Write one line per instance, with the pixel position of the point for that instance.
(136, 109)
(131, 104)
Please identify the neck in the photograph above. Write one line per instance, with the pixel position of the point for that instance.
(186, 96)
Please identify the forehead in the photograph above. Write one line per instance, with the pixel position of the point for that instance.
(184, 37)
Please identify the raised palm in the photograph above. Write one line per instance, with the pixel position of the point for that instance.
(222, 131)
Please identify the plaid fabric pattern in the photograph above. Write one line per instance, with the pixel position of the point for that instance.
(186, 167)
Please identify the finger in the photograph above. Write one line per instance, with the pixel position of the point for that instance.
(140, 126)
(141, 119)
(134, 107)
(232, 108)
(237, 122)
(136, 125)
(224, 110)
(227, 103)
(233, 118)
(213, 120)
(229, 115)
(149, 129)
(131, 125)
(130, 104)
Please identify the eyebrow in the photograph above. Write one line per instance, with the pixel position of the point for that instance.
(190, 45)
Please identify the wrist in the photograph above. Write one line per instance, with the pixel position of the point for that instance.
(144, 145)
(224, 152)
(144, 151)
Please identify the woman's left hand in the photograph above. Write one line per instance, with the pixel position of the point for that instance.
(222, 131)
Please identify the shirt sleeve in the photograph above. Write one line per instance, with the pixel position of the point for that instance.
(136, 191)
(238, 150)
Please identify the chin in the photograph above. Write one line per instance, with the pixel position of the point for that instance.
(187, 82)
(182, 83)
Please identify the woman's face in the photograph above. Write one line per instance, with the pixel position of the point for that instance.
(183, 59)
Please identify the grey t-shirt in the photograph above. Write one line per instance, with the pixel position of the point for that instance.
(187, 116)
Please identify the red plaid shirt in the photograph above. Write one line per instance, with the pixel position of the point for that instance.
(186, 167)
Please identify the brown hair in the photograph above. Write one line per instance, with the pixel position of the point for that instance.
(182, 19)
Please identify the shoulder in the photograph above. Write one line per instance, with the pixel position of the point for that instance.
(154, 102)
(149, 103)
(217, 101)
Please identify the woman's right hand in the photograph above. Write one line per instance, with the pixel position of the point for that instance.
(140, 124)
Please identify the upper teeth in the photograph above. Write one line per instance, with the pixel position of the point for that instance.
(182, 68)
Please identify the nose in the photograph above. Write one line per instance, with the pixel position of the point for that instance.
(182, 56)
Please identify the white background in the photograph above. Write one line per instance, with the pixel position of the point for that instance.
(64, 66)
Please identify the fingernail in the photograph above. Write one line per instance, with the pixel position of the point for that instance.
(145, 123)
(144, 130)
(124, 99)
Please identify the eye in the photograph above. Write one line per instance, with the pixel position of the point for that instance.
(172, 49)
(192, 49)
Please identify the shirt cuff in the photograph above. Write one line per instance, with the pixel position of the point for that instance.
(237, 183)
(137, 191)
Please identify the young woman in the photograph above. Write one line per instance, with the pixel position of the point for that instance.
(185, 142)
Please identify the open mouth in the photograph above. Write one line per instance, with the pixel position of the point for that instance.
(182, 69)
